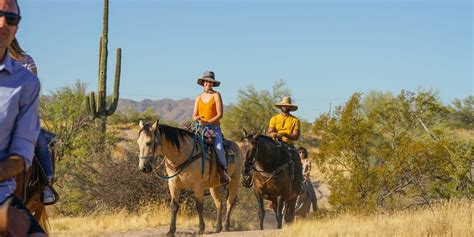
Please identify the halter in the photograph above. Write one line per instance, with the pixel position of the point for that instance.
(182, 166)
(270, 174)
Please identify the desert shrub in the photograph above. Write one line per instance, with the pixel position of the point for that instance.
(386, 157)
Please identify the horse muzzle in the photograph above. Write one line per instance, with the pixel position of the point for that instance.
(144, 165)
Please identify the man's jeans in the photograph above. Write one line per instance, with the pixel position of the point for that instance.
(42, 153)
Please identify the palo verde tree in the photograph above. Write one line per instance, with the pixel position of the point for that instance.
(253, 110)
(391, 154)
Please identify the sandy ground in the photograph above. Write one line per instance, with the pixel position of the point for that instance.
(270, 227)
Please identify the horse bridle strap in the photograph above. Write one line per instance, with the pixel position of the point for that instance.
(185, 164)
(274, 173)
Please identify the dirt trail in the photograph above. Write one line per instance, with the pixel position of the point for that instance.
(269, 228)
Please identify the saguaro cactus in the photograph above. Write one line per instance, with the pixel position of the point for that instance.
(97, 105)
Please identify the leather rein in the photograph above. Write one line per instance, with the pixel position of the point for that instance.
(178, 169)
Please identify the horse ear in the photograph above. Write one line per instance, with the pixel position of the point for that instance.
(244, 132)
(155, 125)
(141, 124)
(255, 136)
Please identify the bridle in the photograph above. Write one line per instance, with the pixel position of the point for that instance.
(252, 161)
(157, 142)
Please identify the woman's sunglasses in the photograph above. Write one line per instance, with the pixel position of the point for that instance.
(12, 19)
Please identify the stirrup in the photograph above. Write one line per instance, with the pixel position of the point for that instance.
(48, 196)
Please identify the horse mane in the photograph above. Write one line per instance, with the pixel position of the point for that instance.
(174, 134)
(265, 139)
(271, 147)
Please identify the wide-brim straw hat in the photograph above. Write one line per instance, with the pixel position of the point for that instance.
(286, 101)
(208, 76)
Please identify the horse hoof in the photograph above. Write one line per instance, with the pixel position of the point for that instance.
(226, 228)
(201, 232)
(170, 234)
(218, 229)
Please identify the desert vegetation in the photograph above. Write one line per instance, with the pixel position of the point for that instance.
(391, 160)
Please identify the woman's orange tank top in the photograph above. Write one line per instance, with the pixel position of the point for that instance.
(207, 110)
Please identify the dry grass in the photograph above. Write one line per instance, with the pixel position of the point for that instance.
(447, 219)
(464, 134)
(150, 216)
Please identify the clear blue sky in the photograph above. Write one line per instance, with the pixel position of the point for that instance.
(324, 50)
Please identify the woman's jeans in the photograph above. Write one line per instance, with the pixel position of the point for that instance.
(42, 153)
(219, 145)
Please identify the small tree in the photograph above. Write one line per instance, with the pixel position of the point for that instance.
(253, 110)
(382, 158)
(462, 113)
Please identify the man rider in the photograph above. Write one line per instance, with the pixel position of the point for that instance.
(285, 127)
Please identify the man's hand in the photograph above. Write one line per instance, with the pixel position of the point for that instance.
(279, 135)
(11, 167)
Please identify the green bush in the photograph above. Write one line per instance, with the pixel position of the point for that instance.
(383, 158)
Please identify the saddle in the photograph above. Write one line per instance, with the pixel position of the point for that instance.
(209, 139)
(38, 180)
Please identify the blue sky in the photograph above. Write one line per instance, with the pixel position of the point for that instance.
(324, 50)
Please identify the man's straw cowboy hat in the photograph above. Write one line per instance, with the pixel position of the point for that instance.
(286, 101)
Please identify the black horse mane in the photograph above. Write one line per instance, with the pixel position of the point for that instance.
(272, 148)
(172, 134)
(265, 139)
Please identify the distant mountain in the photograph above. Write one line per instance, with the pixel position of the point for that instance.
(168, 109)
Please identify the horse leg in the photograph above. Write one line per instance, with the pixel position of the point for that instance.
(199, 195)
(174, 208)
(279, 211)
(232, 193)
(261, 210)
(290, 206)
(314, 199)
(217, 201)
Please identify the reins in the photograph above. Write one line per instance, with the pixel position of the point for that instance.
(191, 158)
(270, 174)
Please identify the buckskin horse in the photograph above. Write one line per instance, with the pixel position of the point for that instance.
(271, 166)
(182, 156)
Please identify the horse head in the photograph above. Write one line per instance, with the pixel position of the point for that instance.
(149, 144)
(249, 150)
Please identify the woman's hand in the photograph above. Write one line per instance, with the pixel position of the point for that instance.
(203, 122)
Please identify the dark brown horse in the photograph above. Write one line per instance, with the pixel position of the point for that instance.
(271, 167)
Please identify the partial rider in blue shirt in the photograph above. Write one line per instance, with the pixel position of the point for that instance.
(19, 119)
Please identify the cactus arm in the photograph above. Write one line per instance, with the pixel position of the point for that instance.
(114, 104)
(91, 105)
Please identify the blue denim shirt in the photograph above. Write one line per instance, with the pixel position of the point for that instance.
(19, 119)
